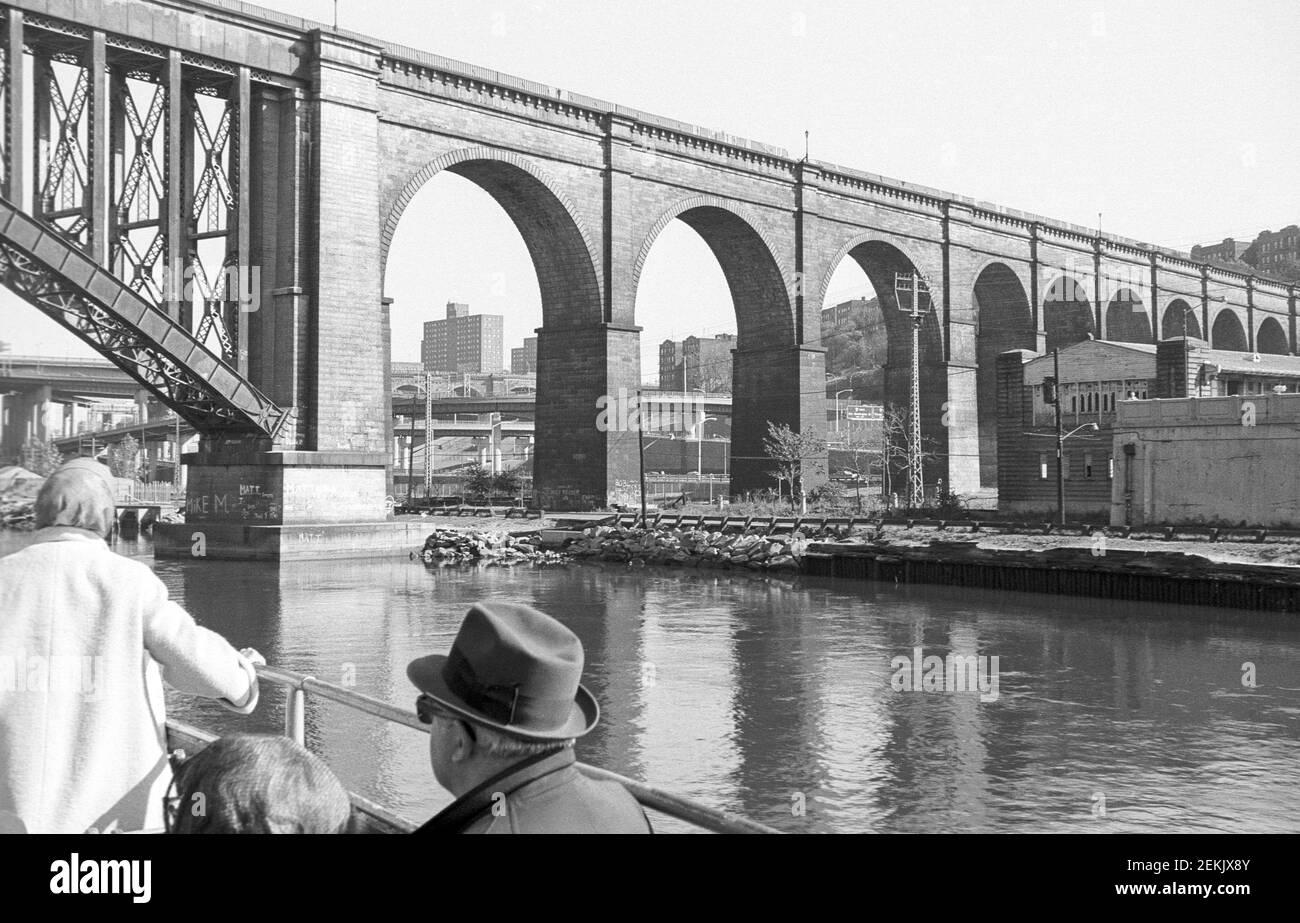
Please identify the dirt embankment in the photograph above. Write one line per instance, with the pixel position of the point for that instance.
(1277, 553)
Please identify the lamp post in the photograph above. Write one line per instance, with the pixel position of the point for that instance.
(699, 451)
(1060, 474)
(837, 406)
(1061, 437)
(1187, 346)
(1060, 440)
(640, 450)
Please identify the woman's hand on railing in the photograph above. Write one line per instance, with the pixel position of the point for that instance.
(252, 656)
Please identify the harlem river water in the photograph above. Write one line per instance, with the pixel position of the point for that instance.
(776, 698)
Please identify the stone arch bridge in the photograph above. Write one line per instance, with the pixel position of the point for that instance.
(207, 191)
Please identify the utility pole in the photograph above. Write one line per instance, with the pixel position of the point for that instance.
(410, 453)
(1060, 438)
(428, 432)
(640, 450)
(1052, 395)
(914, 285)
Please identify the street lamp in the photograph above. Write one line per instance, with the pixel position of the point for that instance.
(837, 406)
(1052, 395)
(699, 451)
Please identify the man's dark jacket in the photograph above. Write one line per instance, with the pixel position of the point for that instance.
(543, 794)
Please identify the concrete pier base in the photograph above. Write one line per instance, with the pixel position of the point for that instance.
(233, 542)
(246, 504)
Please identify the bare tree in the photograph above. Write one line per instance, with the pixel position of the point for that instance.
(895, 441)
(861, 459)
(791, 451)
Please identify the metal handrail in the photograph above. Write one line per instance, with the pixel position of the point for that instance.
(650, 796)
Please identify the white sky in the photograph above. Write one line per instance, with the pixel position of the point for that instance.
(1178, 121)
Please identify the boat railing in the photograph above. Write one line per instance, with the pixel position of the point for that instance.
(299, 685)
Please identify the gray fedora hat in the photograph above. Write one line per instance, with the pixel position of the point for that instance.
(513, 669)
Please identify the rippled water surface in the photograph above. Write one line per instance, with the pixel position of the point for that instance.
(773, 698)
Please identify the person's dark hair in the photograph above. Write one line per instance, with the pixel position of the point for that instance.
(253, 783)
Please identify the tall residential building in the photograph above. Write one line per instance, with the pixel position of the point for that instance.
(1231, 250)
(842, 314)
(462, 342)
(523, 359)
(1276, 252)
(696, 363)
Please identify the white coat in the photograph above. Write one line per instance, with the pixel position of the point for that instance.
(86, 639)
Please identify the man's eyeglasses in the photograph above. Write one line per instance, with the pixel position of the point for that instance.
(427, 708)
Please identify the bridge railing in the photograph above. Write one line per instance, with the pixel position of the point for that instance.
(299, 686)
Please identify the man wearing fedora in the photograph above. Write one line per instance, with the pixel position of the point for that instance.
(504, 707)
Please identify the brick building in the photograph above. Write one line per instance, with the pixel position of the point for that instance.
(843, 313)
(1277, 253)
(1230, 251)
(1095, 375)
(696, 362)
(1096, 378)
(523, 359)
(462, 342)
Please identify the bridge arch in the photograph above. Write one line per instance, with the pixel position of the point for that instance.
(558, 241)
(1126, 318)
(766, 371)
(1271, 338)
(1068, 317)
(1180, 320)
(1227, 331)
(747, 256)
(881, 257)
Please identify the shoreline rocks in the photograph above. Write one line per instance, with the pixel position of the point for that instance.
(701, 548)
(450, 546)
(690, 548)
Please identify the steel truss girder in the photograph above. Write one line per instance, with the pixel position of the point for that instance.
(66, 183)
(143, 190)
(50, 273)
(213, 206)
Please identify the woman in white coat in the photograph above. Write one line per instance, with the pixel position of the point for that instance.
(86, 638)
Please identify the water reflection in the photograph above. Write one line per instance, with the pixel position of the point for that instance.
(773, 698)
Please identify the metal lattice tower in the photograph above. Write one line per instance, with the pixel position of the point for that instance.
(914, 286)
